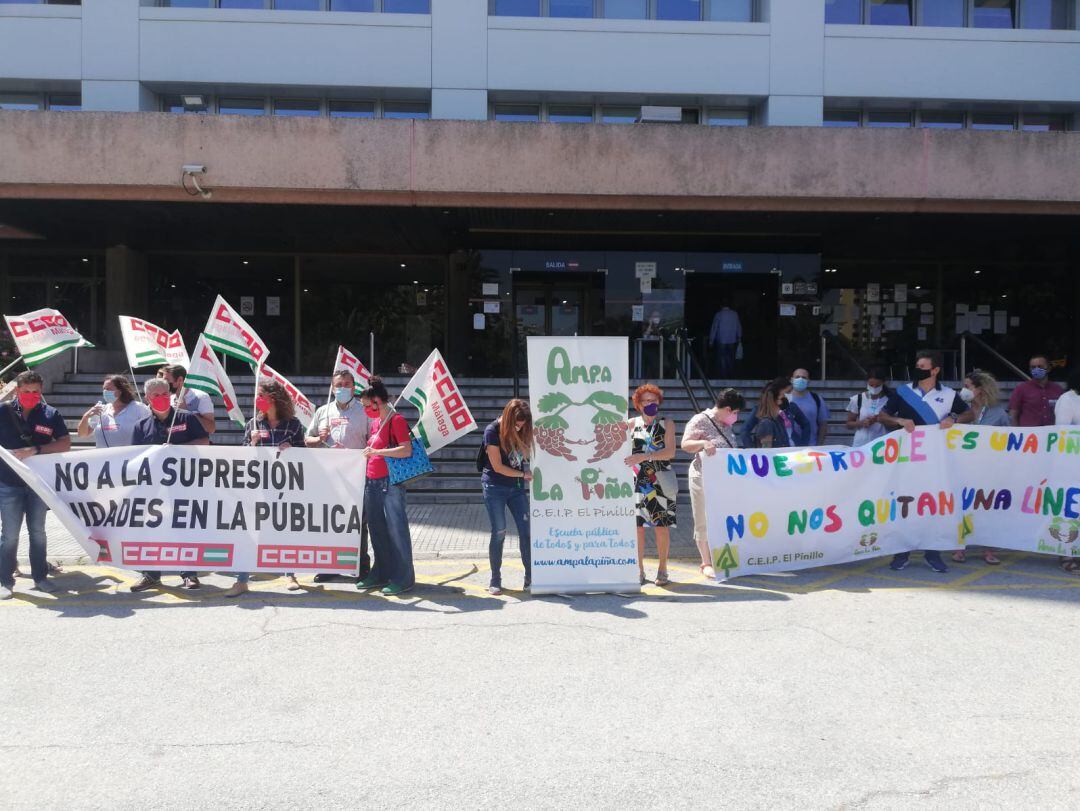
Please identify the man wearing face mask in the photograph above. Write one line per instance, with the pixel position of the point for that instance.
(924, 401)
(801, 424)
(813, 408)
(28, 427)
(339, 425)
(197, 402)
(1032, 402)
(166, 426)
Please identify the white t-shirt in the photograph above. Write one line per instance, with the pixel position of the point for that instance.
(115, 430)
(195, 401)
(869, 407)
(1067, 410)
(349, 427)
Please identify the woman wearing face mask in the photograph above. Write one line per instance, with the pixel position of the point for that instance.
(704, 433)
(275, 426)
(507, 448)
(864, 408)
(384, 503)
(655, 486)
(773, 429)
(112, 420)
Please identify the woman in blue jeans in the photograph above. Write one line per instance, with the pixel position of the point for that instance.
(384, 503)
(507, 449)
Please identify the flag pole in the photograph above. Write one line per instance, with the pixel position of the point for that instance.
(135, 383)
(12, 364)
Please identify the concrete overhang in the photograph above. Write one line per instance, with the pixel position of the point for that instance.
(138, 156)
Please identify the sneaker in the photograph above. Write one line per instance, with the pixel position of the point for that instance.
(900, 561)
(393, 590)
(146, 583)
(6, 593)
(369, 582)
(237, 589)
(191, 583)
(291, 583)
(45, 586)
(324, 578)
(527, 585)
(936, 563)
(494, 591)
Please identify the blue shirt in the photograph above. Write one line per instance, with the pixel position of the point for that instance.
(816, 412)
(513, 460)
(18, 430)
(726, 328)
(152, 431)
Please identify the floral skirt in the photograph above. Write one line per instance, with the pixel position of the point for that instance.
(656, 489)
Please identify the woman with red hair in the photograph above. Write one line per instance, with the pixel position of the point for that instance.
(656, 487)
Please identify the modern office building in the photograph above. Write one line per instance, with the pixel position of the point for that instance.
(461, 173)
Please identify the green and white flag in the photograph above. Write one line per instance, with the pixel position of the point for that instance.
(347, 360)
(231, 335)
(147, 344)
(43, 334)
(206, 374)
(444, 416)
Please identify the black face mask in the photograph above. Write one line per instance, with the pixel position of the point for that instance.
(784, 405)
(919, 375)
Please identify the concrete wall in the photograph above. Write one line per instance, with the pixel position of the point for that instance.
(790, 62)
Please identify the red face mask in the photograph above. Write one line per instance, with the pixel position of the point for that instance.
(263, 404)
(29, 399)
(160, 402)
(372, 412)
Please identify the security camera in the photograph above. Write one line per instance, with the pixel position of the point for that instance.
(190, 170)
(193, 169)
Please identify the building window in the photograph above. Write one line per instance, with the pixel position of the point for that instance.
(723, 117)
(736, 11)
(843, 12)
(678, 9)
(517, 112)
(888, 118)
(406, 109)
(890, 12)
(942, 13)
(841, 118)
(1053, 14)
(570, 8)
(515, 8)
(351, 109)
(1041, 122)
(352, 5)
(619, 115)
(941, 120)
(570, 114)
(242, 4)
(19, 101)
(626, 9)
(298, 5)
(68, 102)
(406, 6)
(993, 121)
(186, 103)
(297, 107)
(235, 106)
(993, 13)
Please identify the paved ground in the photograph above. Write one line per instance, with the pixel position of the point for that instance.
(847, 687)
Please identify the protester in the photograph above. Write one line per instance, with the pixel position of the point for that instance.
(655, 487)
(749, 425)
(384, 503)
(704, 433)
(1032, 401)
(276, 426)
(342, 424)
(193, 400)
(507, 449)
(28, 427)
(864, 408)
(166, 425)
(1067, 410)
(725, 335)
(812, 407)
(112, 420)
(774, 423)
(924, 401)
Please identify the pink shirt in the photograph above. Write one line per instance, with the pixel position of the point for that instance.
(1034, 404)
(398, 431)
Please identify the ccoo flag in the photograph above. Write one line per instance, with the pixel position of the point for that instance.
(230, 334)
(443, 414)
(206, 374)
(347, 360)
(42, 334)
(149, 345)
(305, 409)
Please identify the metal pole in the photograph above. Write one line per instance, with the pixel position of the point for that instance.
(371, 350)
(963, 357)
(10, 365)
(824, 347)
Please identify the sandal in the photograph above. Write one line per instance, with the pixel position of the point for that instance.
(642, 578)
(707, 571)
(959, 556)
(990, 558)
(661, 578)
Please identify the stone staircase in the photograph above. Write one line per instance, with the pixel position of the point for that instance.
(456, 480)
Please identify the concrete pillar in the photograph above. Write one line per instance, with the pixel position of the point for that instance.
(110, 57)
(459, 59)
(796, 62)
(126, 290)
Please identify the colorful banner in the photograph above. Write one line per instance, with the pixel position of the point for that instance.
(208, 508)
(42, 334)
(305, 409)
(444, 416)
(206, 374)
(347, 360)
(584, 535)
(781, 510)
(149, 345)
(230, 334)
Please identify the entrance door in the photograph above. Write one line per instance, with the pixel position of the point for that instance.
(550, 308)
(753, 296)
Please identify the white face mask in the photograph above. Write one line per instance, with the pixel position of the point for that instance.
(875, 390)
(967, 395)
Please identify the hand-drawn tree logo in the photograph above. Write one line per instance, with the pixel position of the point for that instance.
(726, 559)
(609, 433)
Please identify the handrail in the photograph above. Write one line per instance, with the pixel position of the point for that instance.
(684, 341)
(963, 355)
(682, 377)
(827, 336)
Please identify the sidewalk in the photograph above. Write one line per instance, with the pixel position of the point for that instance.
(438, 530)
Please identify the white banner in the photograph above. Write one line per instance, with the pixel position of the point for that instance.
(43, 333)
(207, 374)
(780, 510)
(584, 534)
(147, 344)
(347, 360)
(444, 416)
(208, 508)
(305, 410)
(230, 334)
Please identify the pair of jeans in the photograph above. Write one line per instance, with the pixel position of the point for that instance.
(498, 498)
(17, 502)
(929, 554)
(388, 526)
(724, 360)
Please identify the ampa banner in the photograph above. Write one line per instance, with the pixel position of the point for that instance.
(209, 508)
(147, 344)
(781, 510)
(42, 334)
(583, 528)
(444, 416)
